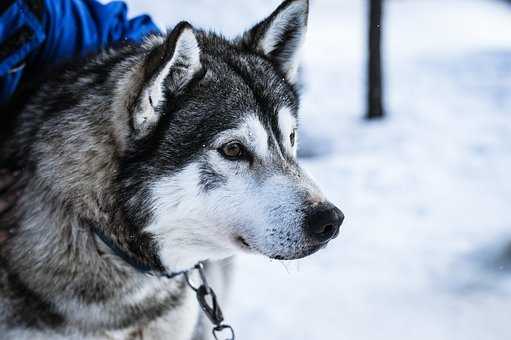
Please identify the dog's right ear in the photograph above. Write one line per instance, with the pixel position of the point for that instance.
(167, 68)
(280, 36)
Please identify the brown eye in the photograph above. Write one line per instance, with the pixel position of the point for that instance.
(232, 150)
(292, 138)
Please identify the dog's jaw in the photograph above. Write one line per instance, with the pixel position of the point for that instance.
(184, 233)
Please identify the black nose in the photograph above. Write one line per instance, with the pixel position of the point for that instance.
(324, 222)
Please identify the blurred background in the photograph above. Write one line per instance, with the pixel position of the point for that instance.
(425, 251)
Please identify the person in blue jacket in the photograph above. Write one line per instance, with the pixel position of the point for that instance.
(36, 34)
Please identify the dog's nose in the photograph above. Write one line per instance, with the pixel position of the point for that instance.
(324, 222)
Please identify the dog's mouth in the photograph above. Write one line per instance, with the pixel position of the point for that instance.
(242, 243)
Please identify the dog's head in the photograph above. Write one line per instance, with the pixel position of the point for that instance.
(211, 167)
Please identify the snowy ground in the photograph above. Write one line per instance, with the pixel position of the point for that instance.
(425, 252)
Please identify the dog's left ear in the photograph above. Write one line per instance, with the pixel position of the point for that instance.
(281, 36)
(167, 68)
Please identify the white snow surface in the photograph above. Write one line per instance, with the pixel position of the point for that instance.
(425, 250)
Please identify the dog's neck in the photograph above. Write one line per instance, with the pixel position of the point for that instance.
(54, 254)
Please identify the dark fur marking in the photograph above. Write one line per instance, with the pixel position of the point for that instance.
(31, 311)
(209, 178)
(151, 309)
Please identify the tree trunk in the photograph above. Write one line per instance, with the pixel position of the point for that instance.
(374, 68)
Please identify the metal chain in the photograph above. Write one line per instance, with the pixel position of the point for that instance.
(206, 298)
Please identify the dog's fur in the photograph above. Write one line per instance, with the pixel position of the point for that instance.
(126, 147)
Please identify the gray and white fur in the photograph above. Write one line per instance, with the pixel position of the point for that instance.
(178, 150)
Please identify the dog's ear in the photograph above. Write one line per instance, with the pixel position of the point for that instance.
(167, 68)
(281, 35)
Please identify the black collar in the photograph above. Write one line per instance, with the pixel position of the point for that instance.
(131, 260)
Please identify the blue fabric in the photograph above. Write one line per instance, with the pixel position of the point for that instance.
(11, 21)
(67, 29)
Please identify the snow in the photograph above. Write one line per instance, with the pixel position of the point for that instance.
(425, 251)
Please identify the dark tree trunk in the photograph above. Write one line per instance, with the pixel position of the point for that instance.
(374, 68)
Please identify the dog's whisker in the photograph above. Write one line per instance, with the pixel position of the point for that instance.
(285, 267)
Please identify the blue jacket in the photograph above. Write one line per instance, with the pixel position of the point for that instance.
(38, 33)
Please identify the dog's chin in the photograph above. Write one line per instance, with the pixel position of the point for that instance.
(183, 258)
(294, 253)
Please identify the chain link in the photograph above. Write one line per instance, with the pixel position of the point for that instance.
(207, 300)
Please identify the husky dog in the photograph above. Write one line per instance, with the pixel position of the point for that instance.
(156, 156)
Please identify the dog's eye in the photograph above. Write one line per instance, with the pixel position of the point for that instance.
(292, 137)
(233, 150)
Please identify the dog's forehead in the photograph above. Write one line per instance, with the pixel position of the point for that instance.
(236, 88)
(249, 85)
(252, 82)
(268, 138)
